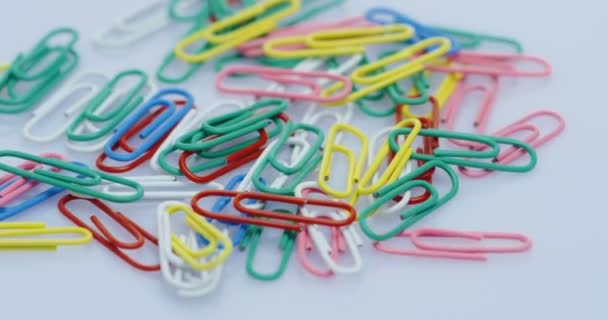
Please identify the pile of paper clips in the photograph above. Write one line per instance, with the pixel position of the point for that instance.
(326, 191)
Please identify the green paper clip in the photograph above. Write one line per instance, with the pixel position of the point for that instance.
(84, 184)
(25, 69)
(306, 161)
(113, 118)
(251, 242)
(462, 158)
(415, 214)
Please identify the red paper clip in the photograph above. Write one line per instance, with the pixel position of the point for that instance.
(292, 222)
(104, 236)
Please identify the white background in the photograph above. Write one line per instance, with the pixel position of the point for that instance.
(559, 205)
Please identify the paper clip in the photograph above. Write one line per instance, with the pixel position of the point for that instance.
(82, 88)
(188, 282)
(186, 10)
(429, 145)
(105, 238)
(306, 154)
(248, 117)
(255, 48)
(83, 184)
(440, 98)
(338, 42)
(228, 33)
(191, 121)
(222, 165)
(465, 158)
(226, 165)
(494, 64)
(384, 16)
(396, 165)
(11, 234)
(355, 165)
(375, 80)
(229, 128)
(39, 80)
(315, 115)
(423, 249)
(403, 200)
(239, 182)
(415, 214)
(160, 187)
(342, 240)
(282, 221)
(83, 131)
(302, 161)
(13, 187)
(470, 40)
(285, 77)
(135, 26)
(123, 143)
(204, 259)
(155, 131)
(535, 140)
(251, 242)
(490, 93)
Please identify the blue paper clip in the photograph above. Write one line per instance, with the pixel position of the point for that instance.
(7, 212)
(219, 206)
(155, 131)
(383, 16)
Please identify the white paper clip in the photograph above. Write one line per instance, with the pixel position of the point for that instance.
(350, 235)
(176, 272)
(163, 188)
(378, 140)
(79, 89)
(145, 21)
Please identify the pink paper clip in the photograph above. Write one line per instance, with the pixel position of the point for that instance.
(494, 64)
(304, 247)
(254, 48)
(490, 93)
(20, 185)
(286, 77)
(535, 140)
(480, 253)
(342, 240)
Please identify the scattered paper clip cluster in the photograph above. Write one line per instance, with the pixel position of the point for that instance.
(323, 193)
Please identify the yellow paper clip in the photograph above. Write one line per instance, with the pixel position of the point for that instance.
(340, 42)
(228, 33)
(10, 232)
(443, 93)
(375, 80)
(395, 168)
(355, 166)
(214, 236)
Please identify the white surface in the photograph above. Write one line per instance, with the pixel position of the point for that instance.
(559, 205)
